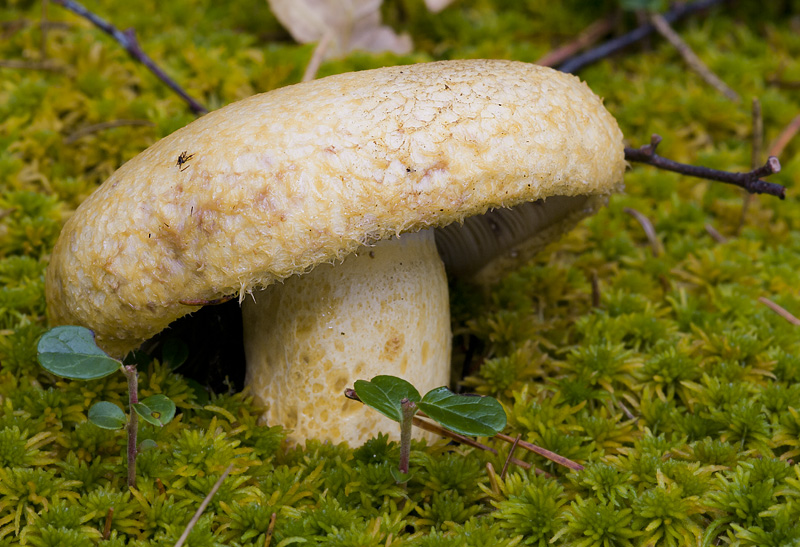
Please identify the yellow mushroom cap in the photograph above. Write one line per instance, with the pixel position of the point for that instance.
(273, 185)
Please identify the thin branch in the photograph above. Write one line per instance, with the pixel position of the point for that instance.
(552, 456)
(785, 84)
(127, 39)
(757, 144)
(626, 411)
(203, 505)
(612, 46)
(316, 58)
(715, 235)
(691, 58)
(510, 456)
(43, 30)
(783, 312)
(270, 529)
(785, 137)
(48, 64)
(589, 36)
(94, 128)
(750, 181)
(493, 478)
(107, 526)
(755, 157)
(648, 228)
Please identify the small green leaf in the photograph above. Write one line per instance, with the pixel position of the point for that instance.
(156, 409)
(107, 415)
(400, 477)
(71, 352)
(471, 415)
(384, 393)
(174, 353)
(147, 444)
(201, 396)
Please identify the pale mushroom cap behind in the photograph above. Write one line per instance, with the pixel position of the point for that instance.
(283, 181)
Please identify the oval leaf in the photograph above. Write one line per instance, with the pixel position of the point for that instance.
(156, 409)
(107, 415)
(471, 415)
(71, 352)
(384, 393)
(400, 477)
(174, 353)
(147, 444)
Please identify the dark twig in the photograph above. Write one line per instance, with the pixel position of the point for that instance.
(127, 39)
(612, 46)
(589, 36)
(750, 181)
(203, 505)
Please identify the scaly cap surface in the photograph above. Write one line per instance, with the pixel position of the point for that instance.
(280, 182)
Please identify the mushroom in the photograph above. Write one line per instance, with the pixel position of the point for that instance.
(326, 207)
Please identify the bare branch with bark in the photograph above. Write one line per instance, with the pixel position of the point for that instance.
(750, 181)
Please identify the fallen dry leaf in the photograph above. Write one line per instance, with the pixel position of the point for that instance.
(349, 24)
(436, 6)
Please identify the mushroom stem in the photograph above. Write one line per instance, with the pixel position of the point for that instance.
(383, 310)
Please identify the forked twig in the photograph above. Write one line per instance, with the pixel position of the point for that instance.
(750, 181)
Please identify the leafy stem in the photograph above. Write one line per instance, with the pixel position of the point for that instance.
(409, 408)
(71, 352)
(132, 376)
(398, 400)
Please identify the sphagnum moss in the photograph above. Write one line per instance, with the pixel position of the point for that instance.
(668, 379)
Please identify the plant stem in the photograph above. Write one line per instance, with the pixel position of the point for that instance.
(409, 409)
(133, 420)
